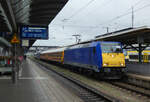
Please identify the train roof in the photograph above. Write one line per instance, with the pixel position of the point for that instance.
(54, 50)
(84, 45)
(89, 44)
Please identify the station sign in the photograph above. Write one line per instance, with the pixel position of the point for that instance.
(25, 43)
(34, 32)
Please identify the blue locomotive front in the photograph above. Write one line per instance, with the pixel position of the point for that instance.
(106, 58)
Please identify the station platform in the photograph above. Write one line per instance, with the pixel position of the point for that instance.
(34, 85)
(139, 76)
(138, 68)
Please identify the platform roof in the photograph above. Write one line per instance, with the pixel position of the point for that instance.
(14, 13)
(5, 25)
(4, 42)
(128, 36)
(36, 12)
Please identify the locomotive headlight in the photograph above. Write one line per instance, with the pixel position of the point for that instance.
(105, 64)
(122, 64)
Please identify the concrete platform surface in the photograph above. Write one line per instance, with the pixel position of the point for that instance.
(138, 76)
(35, 85)
(138, 68)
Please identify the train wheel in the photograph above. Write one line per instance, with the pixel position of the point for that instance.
(80, 70)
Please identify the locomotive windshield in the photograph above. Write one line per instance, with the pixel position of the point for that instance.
(111, 47)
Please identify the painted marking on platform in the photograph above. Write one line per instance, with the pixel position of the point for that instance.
(5, 78)
(24, 78)
(36, 78)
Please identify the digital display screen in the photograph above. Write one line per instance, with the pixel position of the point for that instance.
(34, 32)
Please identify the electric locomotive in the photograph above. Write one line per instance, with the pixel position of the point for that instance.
(103, 58)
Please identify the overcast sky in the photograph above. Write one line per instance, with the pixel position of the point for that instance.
(90, 18)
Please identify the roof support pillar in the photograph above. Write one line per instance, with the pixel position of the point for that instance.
(140, 53)
(140, 40)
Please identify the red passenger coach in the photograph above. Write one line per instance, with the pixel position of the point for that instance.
(56, 55)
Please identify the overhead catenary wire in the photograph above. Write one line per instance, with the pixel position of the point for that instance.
(144, 20)
(137, 3)
(125, 14)
(127, 11)
(118, 17)
(76, 26)
(81, 9)
(104, 4)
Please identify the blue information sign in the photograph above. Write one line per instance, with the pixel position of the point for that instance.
(34, 32)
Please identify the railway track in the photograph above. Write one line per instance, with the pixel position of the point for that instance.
(139, 91)
(131, 90)
(87, 93)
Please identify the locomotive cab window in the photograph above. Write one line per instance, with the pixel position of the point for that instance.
(111, 47)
